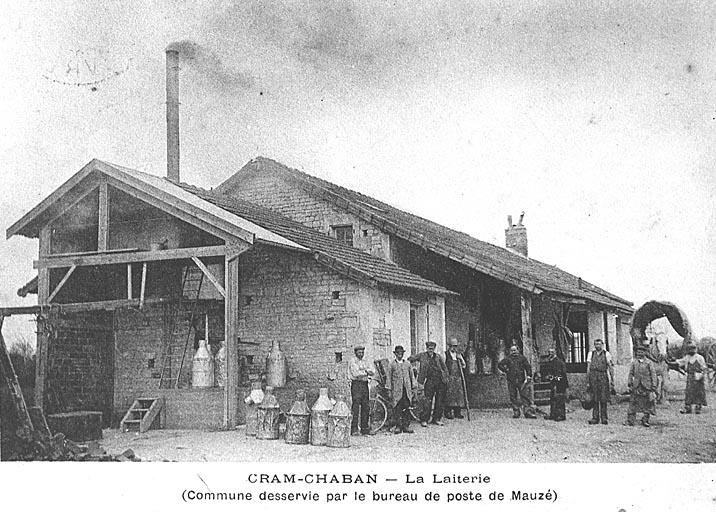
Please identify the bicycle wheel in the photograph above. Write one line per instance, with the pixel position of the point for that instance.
(378, 414)
(419, 406)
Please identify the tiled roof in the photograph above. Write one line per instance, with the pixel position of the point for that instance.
(326, 250)
(498, 262)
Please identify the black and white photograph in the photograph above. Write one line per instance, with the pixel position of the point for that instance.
(368, 252)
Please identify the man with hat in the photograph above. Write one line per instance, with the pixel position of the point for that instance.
(359, 372)
(642, 386)
(455, 396)
(433, 375)
(400, 384)
(519, 377)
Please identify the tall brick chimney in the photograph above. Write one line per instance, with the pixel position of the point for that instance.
(173, 115)
(516, 236)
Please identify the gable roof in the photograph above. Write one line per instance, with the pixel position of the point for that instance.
(326, 250)
(157, 191)
(237, 218)
(523, 272)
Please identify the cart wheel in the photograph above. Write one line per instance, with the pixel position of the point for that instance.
(378, 414)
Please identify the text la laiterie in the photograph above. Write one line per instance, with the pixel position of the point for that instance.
(449, 479)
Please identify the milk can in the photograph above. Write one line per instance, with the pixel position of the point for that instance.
(267, 417)
(319, 418)
(252, 405)
(220, 366)
(298, 420)
(339, 424)
(201, 367)
(276, 366)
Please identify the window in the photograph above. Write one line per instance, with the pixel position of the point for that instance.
(418, 327)
(579, 348)
(343, 234)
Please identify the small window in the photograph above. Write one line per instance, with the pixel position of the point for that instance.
(339, 357)
(365, 232)
(250, 359)
(150, 363)
(335, 295)
(343, 234)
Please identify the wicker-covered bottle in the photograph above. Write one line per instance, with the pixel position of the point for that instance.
(339, 424)
(298, 421)
(319, 418)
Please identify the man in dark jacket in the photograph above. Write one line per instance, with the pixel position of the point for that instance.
(554, 371)
(433, 375)
(519, 377)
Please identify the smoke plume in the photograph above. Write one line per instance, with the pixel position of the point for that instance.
(206, 62)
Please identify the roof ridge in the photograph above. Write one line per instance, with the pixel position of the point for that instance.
(341, 191)
(271, 220)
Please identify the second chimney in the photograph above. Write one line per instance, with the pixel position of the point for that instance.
(516, 236)
(173, 116)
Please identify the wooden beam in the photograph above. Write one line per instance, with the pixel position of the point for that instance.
(143, 285)
(81, 307)
(209, 276)
(61, 283)
(231, 330)
(234, 250)
(43, 292)
(92, 253)
(103, 217)
(135, 257)
(129, 281)
(56, 196)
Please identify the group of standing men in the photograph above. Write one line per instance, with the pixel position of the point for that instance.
(443, 381)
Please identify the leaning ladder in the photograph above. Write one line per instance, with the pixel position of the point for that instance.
(169, 378)
(13, 385)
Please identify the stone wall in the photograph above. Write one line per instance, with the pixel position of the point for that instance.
(140, 347)
(288, 198)
(80, 365)
(314, 314)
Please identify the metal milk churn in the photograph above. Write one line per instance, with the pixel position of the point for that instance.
(267, 417)
(220, 366)
(339, 424)
(276, 370)
(298, 420)
(252, 408)
(201, 367)
(319, 418)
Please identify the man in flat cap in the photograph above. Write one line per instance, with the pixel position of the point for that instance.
(359, 372)
(433, 375)
(401, 385)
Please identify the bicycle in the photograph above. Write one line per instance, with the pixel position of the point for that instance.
(379, 406)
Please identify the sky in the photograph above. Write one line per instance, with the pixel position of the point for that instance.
(595, 118)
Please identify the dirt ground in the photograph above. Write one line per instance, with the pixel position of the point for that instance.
(491, 436)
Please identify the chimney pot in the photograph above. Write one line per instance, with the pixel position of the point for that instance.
(516, 236)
